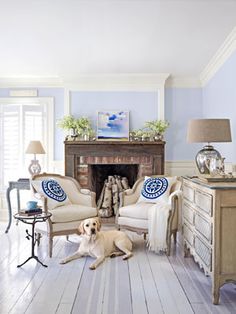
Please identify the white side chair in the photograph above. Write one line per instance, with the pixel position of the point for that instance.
(66, 217)
(133, 216)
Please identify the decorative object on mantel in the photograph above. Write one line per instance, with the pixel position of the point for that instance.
(79, 129)
(208, 130)
(34, 147)
(153, 131)
(109, 201)
(157, 128)
(113, 125)
(84, 128)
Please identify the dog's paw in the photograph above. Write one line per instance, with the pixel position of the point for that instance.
(127, 256)
(112, 255)
(92, 267)
(63, 261)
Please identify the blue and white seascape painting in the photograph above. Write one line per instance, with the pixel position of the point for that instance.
(113, 125)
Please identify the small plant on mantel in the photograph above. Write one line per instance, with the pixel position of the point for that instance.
(68, 123)
(157, 128)
(84, 128)
(77, 127)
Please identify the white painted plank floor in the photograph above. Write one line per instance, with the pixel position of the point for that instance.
(146, 283)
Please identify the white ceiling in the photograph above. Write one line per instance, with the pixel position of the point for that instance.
(68, 38)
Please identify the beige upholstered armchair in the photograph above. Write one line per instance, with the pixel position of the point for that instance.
(133, 215)
(69, 204)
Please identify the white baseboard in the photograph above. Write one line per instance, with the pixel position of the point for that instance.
(180, 168)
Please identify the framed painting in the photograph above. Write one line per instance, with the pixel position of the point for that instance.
(113, 125)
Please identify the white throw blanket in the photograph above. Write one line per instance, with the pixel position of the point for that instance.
(157, 224)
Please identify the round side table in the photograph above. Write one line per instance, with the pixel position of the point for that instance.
(32, 220)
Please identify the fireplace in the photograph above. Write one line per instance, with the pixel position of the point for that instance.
(99, 173)
(88, 161)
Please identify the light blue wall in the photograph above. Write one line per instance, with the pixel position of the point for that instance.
(58, 95)
(143, 106)
(181, 105)
(4, 92)
(219, 101)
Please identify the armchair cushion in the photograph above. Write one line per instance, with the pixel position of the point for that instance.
(52, 190)
(72, 212)
(138, 210)
(156, 190)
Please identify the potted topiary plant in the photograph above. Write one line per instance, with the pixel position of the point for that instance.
(68, 123)
(157, 128)
(84, 128)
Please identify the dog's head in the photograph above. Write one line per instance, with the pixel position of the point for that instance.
(90, 226)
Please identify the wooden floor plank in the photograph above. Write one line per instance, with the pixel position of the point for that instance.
(123, 286)
(151, 294)
(172, 296)
(137, 289)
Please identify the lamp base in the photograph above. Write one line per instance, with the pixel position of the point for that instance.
(34, 167)
(205, 154)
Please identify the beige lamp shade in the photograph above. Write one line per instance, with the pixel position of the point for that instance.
(35, 147)
(209, 130)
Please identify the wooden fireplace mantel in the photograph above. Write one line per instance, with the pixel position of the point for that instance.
(79, 155)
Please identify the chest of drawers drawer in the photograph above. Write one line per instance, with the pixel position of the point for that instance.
(188, 212)
(204, 201)
(188, 234)
(203, 251)
(188, 192)
(203, 227)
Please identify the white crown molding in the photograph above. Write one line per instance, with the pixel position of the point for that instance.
(30, 81)
(92, 82)
(220, 57)
(117, 82)
(183, 82)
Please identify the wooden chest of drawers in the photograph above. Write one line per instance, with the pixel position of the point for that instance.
(209, 229)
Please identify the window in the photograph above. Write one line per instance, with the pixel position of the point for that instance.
(23, 120)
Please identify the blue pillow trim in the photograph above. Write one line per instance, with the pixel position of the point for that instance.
(154, 188)
(53, 190)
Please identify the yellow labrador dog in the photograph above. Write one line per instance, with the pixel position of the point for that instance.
(100, 244)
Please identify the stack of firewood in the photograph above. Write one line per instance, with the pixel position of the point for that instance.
(108, 202)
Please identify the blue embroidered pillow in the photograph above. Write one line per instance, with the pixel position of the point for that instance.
(52, 190)
(156, 189)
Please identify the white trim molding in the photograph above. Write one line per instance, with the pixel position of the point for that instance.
(220, 57)
(180, 168)
(30, 81)
(183, 82)
(120, 82)
(97, 82)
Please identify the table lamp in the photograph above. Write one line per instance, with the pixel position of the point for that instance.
(34, 147)
(208, 130)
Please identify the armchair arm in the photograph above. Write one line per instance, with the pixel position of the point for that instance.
(131, 196)
(87, 198)
(175, 199)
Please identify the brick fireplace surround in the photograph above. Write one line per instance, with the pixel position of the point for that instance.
(80, 158)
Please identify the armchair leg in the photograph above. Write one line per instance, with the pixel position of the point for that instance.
(175, 236)
(145, 236)
(168, 245)
(50, 244)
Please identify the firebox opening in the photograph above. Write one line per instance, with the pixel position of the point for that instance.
(99, 173)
